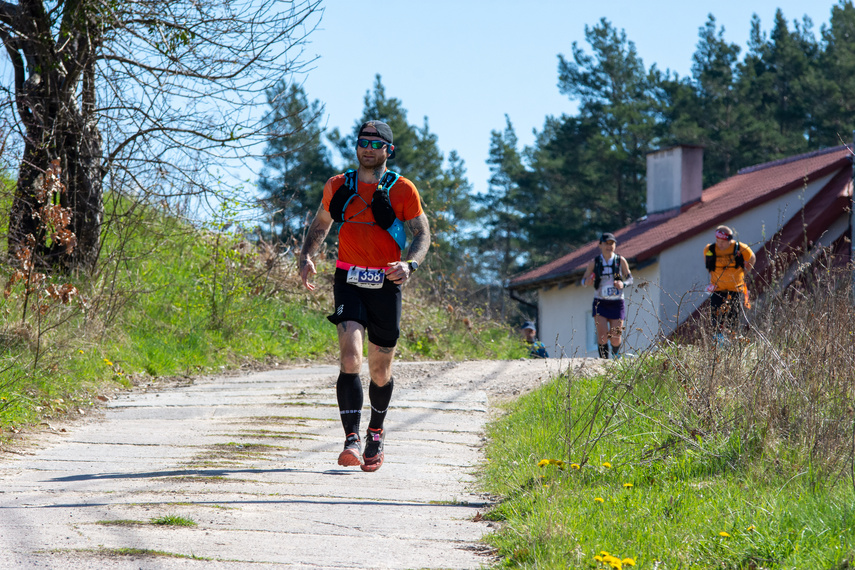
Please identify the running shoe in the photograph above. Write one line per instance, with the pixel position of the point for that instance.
(350, 456)
(373, 456)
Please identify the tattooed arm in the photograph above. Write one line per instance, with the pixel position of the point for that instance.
(314, 238)
(421, 238)
(399, 271)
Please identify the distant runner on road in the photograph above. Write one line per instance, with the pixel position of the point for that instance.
(609, 274)
(373, 205)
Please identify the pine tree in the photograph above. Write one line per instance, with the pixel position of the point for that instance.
(706, 109)
(297, 164)
(833, 106)
(500, 215)
(776, 79)
(618, 96)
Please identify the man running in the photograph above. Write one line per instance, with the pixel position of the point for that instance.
(727, 261)
(609, 273)
(370, 203)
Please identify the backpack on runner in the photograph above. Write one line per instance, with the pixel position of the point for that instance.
(598, 269)
(709, 258)
(381, 205)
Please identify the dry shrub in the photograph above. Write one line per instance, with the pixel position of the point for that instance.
(783, 387)
(775, 399)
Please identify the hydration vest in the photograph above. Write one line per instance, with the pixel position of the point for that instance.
(381, 206)
(598, 269)
(709, 258)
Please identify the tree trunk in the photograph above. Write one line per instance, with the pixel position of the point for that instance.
(76, 142)
(57, 125)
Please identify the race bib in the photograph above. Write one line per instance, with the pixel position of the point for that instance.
(366, 278)
(609, 292)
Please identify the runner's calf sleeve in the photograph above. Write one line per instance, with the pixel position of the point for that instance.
(348, 391)
(379, 396)
(603, 349)
(615, 349)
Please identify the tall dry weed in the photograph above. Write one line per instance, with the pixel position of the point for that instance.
(778, 397)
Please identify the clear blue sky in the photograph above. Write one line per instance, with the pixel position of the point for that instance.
(464, 64)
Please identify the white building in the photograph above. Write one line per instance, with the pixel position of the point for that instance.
(791, 206)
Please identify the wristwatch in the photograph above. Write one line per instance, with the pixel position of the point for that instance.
(413, 265)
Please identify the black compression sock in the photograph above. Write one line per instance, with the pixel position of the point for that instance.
(379, 396)
(603, 349)
(615, 350)
(348, 390)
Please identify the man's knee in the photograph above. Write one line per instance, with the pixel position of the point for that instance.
(351, 355)
(350, 363)
(380, 363)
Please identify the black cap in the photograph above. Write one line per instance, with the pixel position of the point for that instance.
(528, 325)
(383, 131)
(608, 237)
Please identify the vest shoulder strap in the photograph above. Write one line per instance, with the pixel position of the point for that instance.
(389, 179)
(598, 268)
(738, 260)
(343, 195)
(709, 258)
(384, 214)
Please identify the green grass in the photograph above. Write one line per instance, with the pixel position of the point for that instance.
(169, 300)
(134, 552)
(173, 520)
(628, 481)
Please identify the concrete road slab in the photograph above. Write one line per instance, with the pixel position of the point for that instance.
(251, 460)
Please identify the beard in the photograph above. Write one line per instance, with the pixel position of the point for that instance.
(371, 161)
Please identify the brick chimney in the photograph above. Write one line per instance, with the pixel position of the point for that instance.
(674, 178)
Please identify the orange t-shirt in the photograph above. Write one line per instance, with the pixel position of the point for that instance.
(728, 277)
(361, 241)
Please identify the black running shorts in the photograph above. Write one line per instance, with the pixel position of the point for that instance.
(378, 310)
(612, 309)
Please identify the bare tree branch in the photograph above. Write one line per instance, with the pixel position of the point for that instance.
(156, 93)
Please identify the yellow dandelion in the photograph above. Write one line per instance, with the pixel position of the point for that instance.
(751, 528)
(598, 558)
(628, 561)
(559, 463)
(598, 499)
(604, 553)
(107, 362)
(543, 463)
(574, 466)
(607, 465)
(724, 534)
(80, 351)
(628, 485)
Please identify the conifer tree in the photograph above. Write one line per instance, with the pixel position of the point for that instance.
(297, 164)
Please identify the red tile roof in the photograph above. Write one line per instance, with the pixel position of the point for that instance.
(649, 236)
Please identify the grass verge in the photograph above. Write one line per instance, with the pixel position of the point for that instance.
(592, 474)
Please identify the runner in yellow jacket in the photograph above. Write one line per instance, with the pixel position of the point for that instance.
(727, 261)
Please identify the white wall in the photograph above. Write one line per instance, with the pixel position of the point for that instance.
(566, 326)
